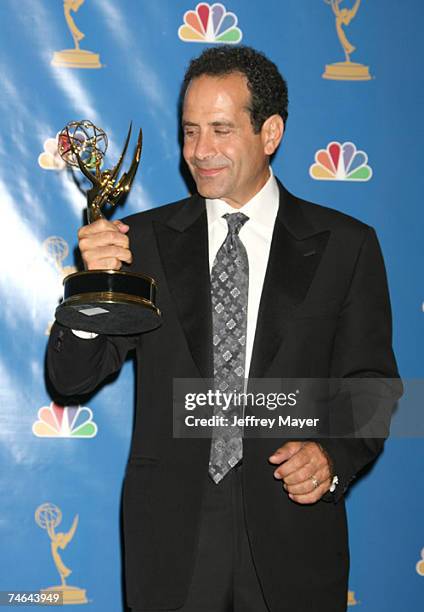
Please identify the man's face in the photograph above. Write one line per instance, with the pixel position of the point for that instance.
(226, 158)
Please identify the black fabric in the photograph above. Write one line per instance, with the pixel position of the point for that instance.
(224, 577)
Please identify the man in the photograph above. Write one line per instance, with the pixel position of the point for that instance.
(258, 524)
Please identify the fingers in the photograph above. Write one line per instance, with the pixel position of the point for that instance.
(309, 484)
(313, 496)
(303, 464)
(102, 225)
(297, 456)
(301, 467)
(104, 245)
(302, 470)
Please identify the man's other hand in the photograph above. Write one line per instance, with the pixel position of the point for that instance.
(305, 470)
(104, 245)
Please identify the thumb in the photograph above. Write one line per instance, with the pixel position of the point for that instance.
(285, 452)
(122, 227)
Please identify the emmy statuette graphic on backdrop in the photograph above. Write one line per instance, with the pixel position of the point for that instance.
(57, 250)
(420, 564)
(48, 517)
(76, 57)
(104, 301)
(348, 70)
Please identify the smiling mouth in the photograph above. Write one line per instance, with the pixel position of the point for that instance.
(209, 171)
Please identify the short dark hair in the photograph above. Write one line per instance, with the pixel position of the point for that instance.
(269, 95)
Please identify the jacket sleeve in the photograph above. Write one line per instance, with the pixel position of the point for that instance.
(76, 366)
(363, 349)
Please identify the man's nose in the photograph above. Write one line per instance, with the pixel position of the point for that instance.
(204, 148)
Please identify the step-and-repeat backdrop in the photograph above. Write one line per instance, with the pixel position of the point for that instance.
(353, 142)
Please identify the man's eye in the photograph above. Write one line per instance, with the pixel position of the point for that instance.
(189, 133)
(222, 131)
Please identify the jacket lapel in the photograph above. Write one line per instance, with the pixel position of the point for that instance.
(183, 248)
(296, 250)
(295, 254)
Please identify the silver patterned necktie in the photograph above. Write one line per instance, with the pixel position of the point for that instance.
(229, 293)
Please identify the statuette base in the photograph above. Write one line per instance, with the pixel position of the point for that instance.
(76, 58)
(70, 594)
(109, 302)
(347, 71)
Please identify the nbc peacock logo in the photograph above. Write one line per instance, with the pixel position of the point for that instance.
(341, 162)
(50, 159)
(56, 421)
(210, 23)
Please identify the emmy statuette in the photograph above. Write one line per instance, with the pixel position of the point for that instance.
(104, 301)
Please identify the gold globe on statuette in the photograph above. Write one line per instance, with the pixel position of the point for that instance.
(104, 301)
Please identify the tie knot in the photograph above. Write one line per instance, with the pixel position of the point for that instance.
(235, 222)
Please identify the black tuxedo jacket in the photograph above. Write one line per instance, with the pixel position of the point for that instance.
(324, 312)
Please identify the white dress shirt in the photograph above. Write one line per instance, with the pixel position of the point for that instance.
(256, 236)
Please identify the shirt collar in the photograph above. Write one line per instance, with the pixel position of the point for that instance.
(261, 209)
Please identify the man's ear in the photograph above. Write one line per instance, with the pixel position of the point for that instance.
(271, 133)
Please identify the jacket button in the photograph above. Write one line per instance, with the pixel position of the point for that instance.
(59, 341)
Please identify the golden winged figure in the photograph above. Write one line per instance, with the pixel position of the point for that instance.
(68, 6)
(343, 18)
(61, 540)
(106, 187)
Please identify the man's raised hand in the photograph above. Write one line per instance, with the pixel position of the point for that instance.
(104, 245)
